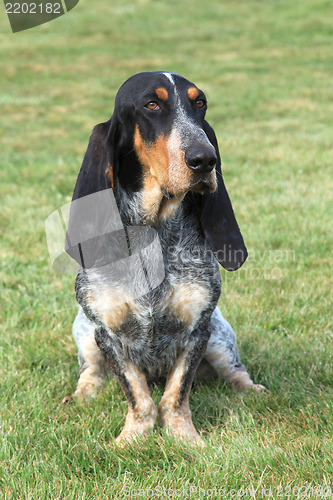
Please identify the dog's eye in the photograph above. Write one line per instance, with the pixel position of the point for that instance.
(152, 105)
(200, 103)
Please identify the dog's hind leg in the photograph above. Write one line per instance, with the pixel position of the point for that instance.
(92, 370)
(222, 358)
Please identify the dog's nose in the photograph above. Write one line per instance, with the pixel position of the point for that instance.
(201, 160)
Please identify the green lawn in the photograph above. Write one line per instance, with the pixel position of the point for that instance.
(267, 69)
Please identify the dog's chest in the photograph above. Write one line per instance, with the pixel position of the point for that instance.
(153, 327)
(176, 303)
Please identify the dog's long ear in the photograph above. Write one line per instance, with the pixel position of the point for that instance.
(218, 220)
(94, 175)
(93, 212)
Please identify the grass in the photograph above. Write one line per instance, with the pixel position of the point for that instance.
(267, 70)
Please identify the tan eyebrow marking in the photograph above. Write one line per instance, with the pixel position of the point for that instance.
(162, 93)
(193, 93)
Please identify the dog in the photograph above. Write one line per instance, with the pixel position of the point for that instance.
(149, 222)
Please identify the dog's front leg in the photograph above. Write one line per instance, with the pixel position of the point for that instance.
(174, 406)
(141, 416)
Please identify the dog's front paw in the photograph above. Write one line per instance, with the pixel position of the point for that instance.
(138, 425)
(178, 422)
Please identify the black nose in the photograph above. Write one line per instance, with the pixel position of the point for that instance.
(201, 160)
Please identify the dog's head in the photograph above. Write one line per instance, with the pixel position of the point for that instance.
(158, 144)
(162, 117)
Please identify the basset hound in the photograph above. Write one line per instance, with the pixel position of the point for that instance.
(149, 222)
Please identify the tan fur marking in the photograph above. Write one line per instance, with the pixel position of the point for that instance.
(92, 376)
(88, 384)
(241, 381)
(116, 316)
(187, 302)
(175, 419)
(154, 157)
(219, 360)
(152, 197)
(162, 164)
(141, 419)
(162, 93)
(193, 93)
(169, 206)
(165, 169)
(111, 306)
(109, 172)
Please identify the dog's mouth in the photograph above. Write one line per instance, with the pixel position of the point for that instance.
(164, 206)
(200, 183)
(205, 185)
